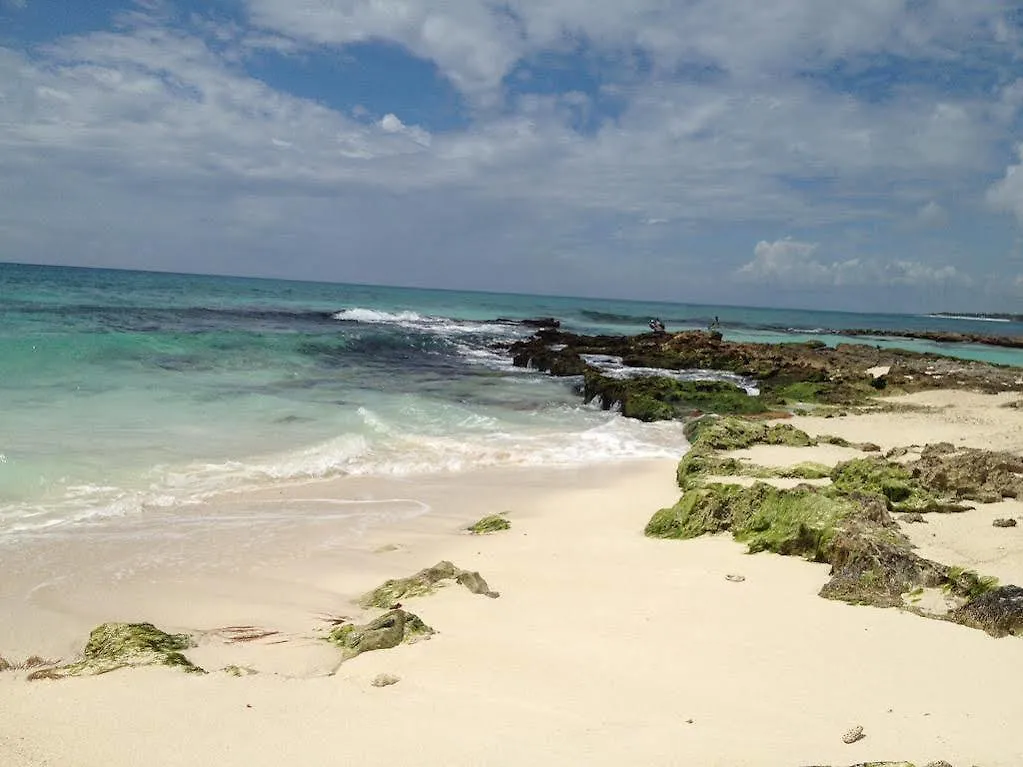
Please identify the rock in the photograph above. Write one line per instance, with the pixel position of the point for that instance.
(422, 583)
(998, 611)
(389, 630)
(239, 671)
(913, 517)
(938, 763)
(113, 646)
(897, 484)
(44, 674)
(979, 475)
(735, 578)
(788, 373)
(869, 447)
(491, 523)
(1004, 522)
(896, 452)
(385, 680)
(853, 734)
(730, 433)
(475, 583)
(658, 398)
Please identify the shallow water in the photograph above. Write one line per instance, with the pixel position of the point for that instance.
(122, 392)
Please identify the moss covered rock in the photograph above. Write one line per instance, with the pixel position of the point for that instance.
(798, 521)
(424, 582)
(872, 562)
(891, 481)
(972, 474)
(658, 398)
(389, 630)
(118, 645)
(730, 433)
(491, 523)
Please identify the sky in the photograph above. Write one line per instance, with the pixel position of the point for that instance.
(809, 153)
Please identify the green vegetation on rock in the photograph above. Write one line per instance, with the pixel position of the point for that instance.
(658, 398)
(491, 523)
(892, 481)
(389, 630)
(800, 521)
(732, 433)
(424, 582)
(118, 645)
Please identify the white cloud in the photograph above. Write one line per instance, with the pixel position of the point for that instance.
(795, 263)
(1007, 194)
(931, 213)
(153, 134)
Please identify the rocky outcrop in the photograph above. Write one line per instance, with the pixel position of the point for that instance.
(972, 474)
(790, 374)
(113, 646)
(847, 523)
(998, 611)
(655, 398)
(492, 523)
(389, 630)
(426, 581)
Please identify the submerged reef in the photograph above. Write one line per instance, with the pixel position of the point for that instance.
(808, 374)
(848, 522)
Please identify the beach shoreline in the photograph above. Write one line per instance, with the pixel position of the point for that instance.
(604, 645)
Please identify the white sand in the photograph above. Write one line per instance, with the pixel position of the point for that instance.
(605, 647)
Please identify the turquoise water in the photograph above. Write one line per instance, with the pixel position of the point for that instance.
(126, 391)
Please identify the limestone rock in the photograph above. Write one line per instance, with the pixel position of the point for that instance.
(119, 645)
(491, 523)
(999, 611)
(424, 582)
(853, 734)
(389, 630)
(1004, 522)
(385, 680)
(979, 475)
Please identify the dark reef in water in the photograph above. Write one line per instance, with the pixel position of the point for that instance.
(788, 374)
(942, 337)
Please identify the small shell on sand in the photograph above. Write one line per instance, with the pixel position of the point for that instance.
(853, 734)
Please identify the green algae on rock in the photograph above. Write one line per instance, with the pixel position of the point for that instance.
(800, 521)
(658, 398)
(731, 433)
(491, 523)
(389, 630)
(872, 562)
(894, 482)
(119, 645)
(425, 582)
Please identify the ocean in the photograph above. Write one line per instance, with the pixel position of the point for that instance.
(125, 395)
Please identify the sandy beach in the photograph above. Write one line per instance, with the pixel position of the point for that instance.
(605, 647)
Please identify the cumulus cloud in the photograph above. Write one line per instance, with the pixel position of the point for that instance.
(158, 140)
(796, 263)
(1007, 194)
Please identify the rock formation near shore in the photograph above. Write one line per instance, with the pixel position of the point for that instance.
(789, 374)
(426, 581)
(847, 523)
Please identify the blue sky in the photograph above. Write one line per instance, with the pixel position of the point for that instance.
(812, 153)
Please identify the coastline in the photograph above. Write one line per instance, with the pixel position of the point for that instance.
(604, 646)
